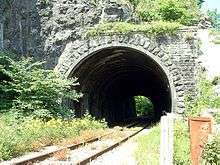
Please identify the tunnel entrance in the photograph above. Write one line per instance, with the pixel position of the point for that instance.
(110, 78)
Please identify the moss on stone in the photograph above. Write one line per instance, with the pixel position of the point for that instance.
(151, 29)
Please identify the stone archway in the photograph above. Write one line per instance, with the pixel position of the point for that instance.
(113, 69)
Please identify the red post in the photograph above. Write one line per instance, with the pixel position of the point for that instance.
(200, 128)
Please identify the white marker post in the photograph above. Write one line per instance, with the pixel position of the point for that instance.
(166, 140)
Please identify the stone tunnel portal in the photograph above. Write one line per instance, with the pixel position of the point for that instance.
(110, 78)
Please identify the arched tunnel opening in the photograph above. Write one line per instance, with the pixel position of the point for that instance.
(110, 79)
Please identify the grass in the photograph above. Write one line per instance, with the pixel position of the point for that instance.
(19, 137)
(150, 29)
(181, 143)
(148, 150)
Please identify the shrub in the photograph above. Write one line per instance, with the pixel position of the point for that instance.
(184, 12)
(200, 2)
(206, 98)
(213, 15)
(216, 40)
(148, 10)
(134, 2)
(211, 152)
(214, 32)
(27, 88)
(217, 117)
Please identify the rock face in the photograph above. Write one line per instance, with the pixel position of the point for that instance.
(205, 23)
(21, 27)
(41, 28)
(115, 11)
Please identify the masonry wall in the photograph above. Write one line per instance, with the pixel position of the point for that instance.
(183, 50)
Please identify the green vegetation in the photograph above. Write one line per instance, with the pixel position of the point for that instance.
(200, 2)
(217, 117)
(32, 114)
(216, 40)
(28, 134)
(134, 2)
(214, 18)
(184, 12)
(206, 98)
(159, 17)
(45, 2)
(29, 90)
(148, 149)
(181, 143)
(211, 153)
(143, 106)
(215, 34)
(150, 29)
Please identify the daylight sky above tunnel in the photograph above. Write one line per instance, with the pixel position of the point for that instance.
(211, 5)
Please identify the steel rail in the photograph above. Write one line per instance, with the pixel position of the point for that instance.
(96, 155)
(43, 156)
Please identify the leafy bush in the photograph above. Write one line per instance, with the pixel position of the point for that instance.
(200, 2)
(184, 12)
(148, 149)
(206, 98)
(150, 29)
(143, 106)
(19, 137)
(211, 152)
(217, 117)
(181, 143)
(216, 40)
(148, 10)
(134, 2)
(213, 15)
(27, 88)
(215, 34)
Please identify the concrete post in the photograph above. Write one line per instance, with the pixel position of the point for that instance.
(171, 137)
(166, 140)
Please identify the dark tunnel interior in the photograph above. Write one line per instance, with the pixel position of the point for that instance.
(111, 77)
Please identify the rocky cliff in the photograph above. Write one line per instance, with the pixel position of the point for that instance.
(42, 28)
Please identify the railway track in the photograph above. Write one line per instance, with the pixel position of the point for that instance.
(109, 148)
(75, 149)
